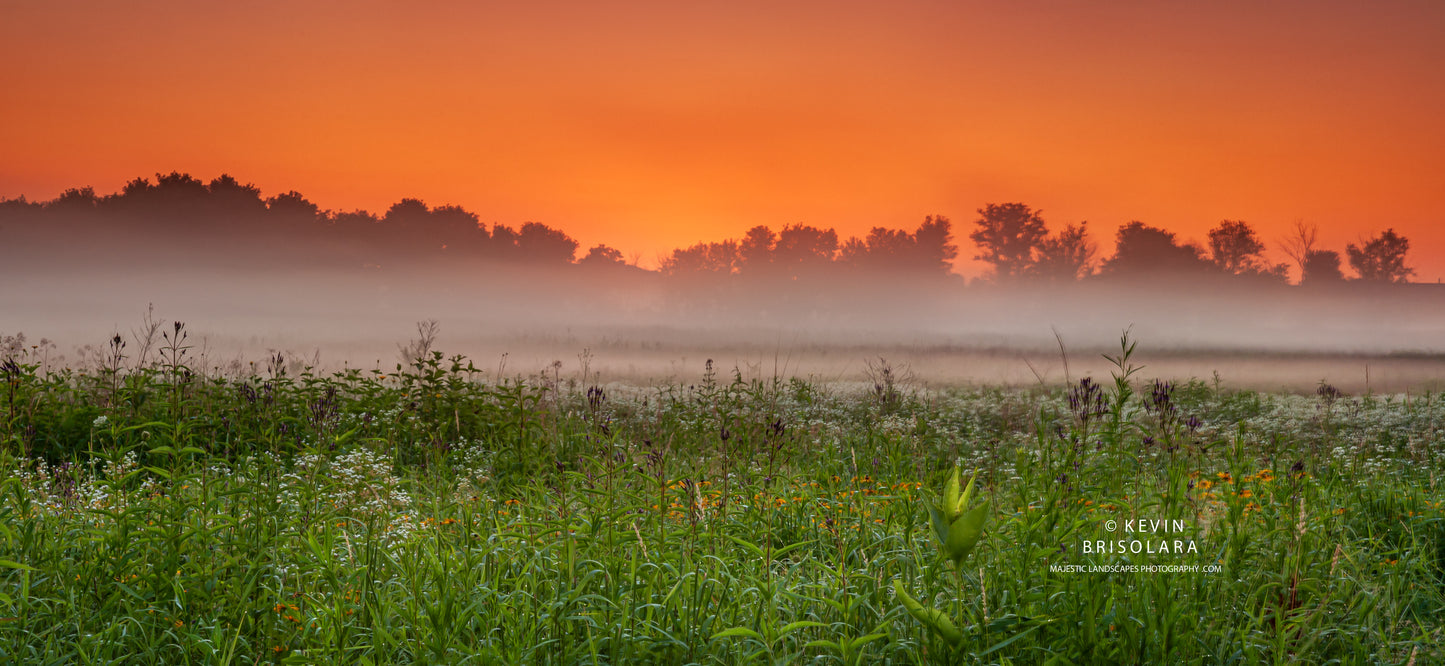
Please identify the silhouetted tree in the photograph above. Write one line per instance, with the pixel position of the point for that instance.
(459, 229)
(1007, 236)
(74, 200)
(1236, 249)
(602, 255)
(755, 252)
(21, 205)
(404, 230)
(504, 242)
(134, 189)
(355, 223)
(934, 242)
(540, 243)
(928, 250)
(407, 215)
(356, 235)
(292, 206)
(175, 200)
(229, 197)
(882, 249)
(1321, 267)
(19, 216)
(1300, 244)
(1142, 249)
(853, 253)
(180, 185)
(890, 248)
(172, 189)
(1381, 258)
(1065, 256)
(802, 250)
(713, 259)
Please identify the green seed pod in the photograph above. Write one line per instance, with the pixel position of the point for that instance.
(932, 618)
(963, 534)
(952, 497)
(954, 502)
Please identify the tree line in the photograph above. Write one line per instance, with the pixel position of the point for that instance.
(1013, 239)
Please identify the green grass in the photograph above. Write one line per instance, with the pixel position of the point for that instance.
(437, 515)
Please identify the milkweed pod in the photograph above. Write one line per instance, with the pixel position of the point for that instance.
(932, 618)
(954, 501)
(963, 533)
(951, 496)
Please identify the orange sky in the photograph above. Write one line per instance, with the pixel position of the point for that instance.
(651, 125)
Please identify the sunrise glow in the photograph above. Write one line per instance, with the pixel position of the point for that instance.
(656, 125)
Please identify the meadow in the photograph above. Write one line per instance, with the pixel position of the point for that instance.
(437, 513)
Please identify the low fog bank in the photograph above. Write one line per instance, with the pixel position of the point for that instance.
(637, 328)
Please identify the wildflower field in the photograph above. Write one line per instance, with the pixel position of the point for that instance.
(151, 512)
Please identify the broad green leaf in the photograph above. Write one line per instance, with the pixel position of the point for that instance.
(864, 640)
(344, 437)
(748, 545)
(940, 523)
(782, 551)
(738, 631)
(801, 624)
(1005, 642)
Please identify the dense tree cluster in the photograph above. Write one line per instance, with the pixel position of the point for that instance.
(1381, 258)
(801, 252)
(178, 210)
(155, 217)
(1015, 240)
